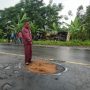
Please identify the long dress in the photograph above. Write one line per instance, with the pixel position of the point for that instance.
(27, 40)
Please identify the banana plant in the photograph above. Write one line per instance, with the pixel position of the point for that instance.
(77, 30)
(73, 29)
(16, 27)
(19, 25)
(34, 28)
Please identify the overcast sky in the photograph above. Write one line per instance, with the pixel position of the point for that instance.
(68, 4)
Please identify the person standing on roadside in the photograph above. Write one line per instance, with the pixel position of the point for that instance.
(19, 37)
(27, 41)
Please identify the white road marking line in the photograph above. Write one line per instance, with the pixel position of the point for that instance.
(11, 54)
(78, 63)
(65, 61)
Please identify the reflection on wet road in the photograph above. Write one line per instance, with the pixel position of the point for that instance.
(13, 75)
(73, 54)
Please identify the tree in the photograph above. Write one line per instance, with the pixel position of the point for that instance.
(39, 15)
(77, 29)
(87, 22)
(82, 16)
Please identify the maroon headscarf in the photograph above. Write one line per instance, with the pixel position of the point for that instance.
(26, 25)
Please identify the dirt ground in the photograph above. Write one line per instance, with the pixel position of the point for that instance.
(41, 66)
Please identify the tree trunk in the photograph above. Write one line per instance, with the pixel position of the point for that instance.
(68, 36)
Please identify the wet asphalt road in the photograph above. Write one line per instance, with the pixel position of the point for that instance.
(14, 77)
(73, 54)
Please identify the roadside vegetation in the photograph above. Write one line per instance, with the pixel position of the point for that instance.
(62, 43)
(85, 43)
(46, 23)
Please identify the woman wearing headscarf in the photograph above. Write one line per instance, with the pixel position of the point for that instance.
(27, 41)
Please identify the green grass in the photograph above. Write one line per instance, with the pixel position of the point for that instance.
(3, 40)
(62, 43)
(57, 43)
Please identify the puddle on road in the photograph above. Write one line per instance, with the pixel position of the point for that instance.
(44, 67)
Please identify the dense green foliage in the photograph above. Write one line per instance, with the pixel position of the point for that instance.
(87, 22)
(80, 27)
(44, 19)
(39, 15)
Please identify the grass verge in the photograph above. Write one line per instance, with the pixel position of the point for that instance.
(57, 43)
(62, 43)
